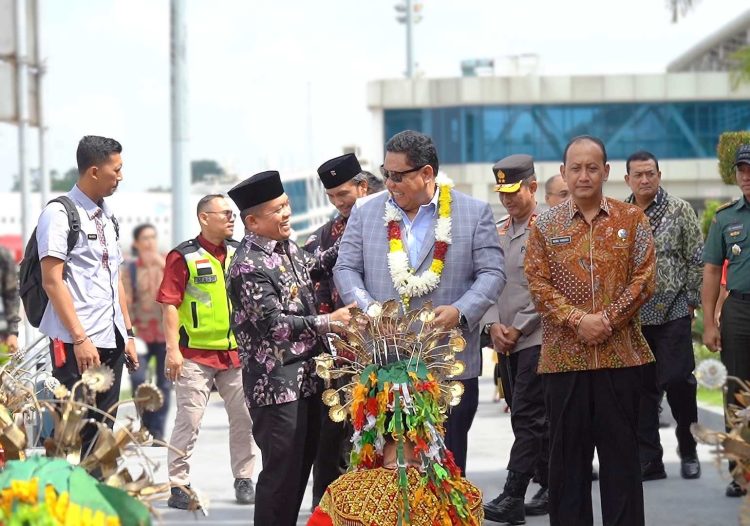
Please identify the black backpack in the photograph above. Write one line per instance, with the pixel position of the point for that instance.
(30, 272)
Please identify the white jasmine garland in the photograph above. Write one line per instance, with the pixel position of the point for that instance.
(404, 280)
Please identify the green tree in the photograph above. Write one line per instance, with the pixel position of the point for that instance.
(57, 183)
(679, 8)
(200, 169)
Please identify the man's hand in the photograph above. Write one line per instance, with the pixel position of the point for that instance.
(87, 355)
(712, 338)
(130, 352)
(594, 328)
(504, 338)
(12, 342)
(173, 366)
(446, 316)
(342, 315)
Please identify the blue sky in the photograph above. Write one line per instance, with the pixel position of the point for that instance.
(281, 84)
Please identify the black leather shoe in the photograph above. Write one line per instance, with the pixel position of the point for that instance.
(506, 509)
(539, 503)
(690, 467)
(244, 492)
(179, 499)
(735, 490)
(653, 470)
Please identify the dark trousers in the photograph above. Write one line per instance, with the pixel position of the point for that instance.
(587, 409)
(287, 435)
(735, 343)
(459, 422)
(332, 457)
(530, 451)
(672, 345)
(68, 375)
(154, 421)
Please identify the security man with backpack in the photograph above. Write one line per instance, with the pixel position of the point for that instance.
(80, 305)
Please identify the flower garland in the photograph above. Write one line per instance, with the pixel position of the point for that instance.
(407, 283)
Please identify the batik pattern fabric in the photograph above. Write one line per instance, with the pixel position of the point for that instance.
(679, 259)
(372, 496)
(329, 235)
(274, 320)
(575, 268)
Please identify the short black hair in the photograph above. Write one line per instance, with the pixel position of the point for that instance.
(641, 155)
(137, 231)
(93, 150)
(419, 148)
(203, 203)
(581, 138)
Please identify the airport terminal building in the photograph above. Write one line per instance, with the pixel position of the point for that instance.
(677, 115)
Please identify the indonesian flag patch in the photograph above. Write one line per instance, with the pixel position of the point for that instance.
(203, 266)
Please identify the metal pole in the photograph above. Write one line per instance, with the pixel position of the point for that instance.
(44, 183)
(409, 39)
(181, 216)
(22, 113)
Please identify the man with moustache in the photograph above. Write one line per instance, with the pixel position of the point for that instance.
(344, 183)
(201, 349)
(423, 241)
(87, 316)
(517, 334)
(278, 333)
(590, 264)
(666, 319)
(728, 239)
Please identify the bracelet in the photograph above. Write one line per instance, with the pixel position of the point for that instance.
(79, 342)
(131, 337)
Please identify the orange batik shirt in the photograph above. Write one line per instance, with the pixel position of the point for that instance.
(575, 268)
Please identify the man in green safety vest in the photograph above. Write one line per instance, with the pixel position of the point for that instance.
(201, 349)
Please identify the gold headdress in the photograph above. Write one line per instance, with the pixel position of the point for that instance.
(399, 369)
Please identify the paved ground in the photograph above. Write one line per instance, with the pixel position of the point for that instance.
(673, 501)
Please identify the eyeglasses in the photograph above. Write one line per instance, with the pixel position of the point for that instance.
(228, 214)
(397, 177)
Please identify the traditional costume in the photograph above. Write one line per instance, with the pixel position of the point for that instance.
(398, 391)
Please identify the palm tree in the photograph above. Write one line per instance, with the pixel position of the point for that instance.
(679, 8)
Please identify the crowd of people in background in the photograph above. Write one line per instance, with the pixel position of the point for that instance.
(588, 303)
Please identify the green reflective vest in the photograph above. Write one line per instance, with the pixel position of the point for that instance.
(205, 311)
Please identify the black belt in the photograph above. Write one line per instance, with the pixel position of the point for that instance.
(740, 295)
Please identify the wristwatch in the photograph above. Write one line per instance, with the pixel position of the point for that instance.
(487, 327)
(130, 332)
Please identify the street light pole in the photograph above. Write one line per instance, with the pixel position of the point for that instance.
(409, 40)
(179, 120)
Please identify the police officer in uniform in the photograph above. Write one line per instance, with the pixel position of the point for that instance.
(729, 239)
(518, 333)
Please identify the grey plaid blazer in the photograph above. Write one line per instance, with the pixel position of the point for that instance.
(472, 278)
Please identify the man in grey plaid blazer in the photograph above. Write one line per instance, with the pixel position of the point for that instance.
(472, 277)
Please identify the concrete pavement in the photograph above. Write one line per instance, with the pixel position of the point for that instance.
(673, 501)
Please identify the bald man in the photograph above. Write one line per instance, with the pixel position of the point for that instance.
(555, 191)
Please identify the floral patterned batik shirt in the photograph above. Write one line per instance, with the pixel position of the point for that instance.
(575, 268)
(274, 319)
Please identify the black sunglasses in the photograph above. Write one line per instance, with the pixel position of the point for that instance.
(397, 177)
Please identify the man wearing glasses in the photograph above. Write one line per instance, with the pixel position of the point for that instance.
(555, 191)
(423, 241)
(201, 349)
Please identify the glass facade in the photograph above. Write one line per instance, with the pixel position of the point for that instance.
(670, 130)
(297, 192)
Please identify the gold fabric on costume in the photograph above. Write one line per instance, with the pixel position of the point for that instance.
(373, 496)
